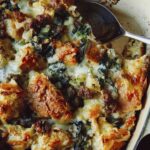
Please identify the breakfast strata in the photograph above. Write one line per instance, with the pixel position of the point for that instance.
(60, 89)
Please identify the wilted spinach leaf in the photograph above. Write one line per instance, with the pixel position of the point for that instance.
(45, 50)
(80, 137)
(57, 74)
(47, 29)
(109, 64)
(60, 16)
(81, 33)
(82, 50)
(70, 94)
(117, 122)
(27, 122)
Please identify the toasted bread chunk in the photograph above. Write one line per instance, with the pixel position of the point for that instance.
(134, 49)
(46, 100)
(16, 23)
(6, 52)
(132, 84)
(57, 139)
(66, 53)
(94, 53)
(11, 101)
(56, 4)
(19, 138)
(30, 60)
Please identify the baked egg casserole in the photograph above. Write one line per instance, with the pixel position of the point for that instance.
(60, 89)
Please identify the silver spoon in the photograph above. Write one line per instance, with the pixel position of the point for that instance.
(105, 25)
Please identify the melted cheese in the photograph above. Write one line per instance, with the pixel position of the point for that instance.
(34, 10)
(92, 109)
(19, 138)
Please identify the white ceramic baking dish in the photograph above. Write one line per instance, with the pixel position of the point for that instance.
(135, 17)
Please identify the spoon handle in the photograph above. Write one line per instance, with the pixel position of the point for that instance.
(137, 37)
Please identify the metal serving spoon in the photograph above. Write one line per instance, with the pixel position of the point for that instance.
(105, 25)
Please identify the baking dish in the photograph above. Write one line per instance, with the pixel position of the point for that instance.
(134, 15)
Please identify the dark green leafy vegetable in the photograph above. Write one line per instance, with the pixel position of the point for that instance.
(57, 74)
(60, 16)
(80, 137)
(44, 32)
(43, 123)
(57, 25)
(82, 49)
(7, 4)
(45, 50)
(40, 22)
(25, 122)
(56, 32)
(57, 67)
(109, 64)
(71, 94)
(47, 29)
(27, 119)
(81, 32)
(103, 69)
(109, 85)
(110, 61)
(117, 122)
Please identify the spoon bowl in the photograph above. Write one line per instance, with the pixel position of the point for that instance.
(105, 25)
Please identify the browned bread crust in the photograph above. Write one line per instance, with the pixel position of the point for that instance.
(11, 101)
(46, 100)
